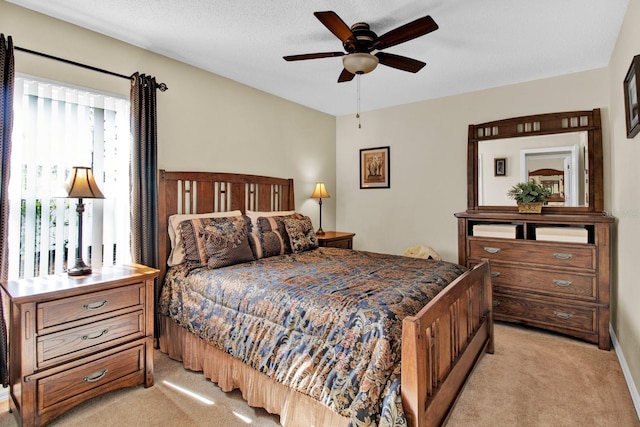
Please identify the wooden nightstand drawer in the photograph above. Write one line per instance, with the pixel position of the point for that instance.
(91, 379)
(59, 312)
(75, 342)
(544, 254)
(344, 244)
(336, 239)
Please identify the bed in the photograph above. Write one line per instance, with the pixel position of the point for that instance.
(401, 356)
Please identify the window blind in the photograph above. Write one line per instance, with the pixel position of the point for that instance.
(57, 127)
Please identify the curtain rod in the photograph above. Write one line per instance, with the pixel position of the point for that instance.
(163, 87)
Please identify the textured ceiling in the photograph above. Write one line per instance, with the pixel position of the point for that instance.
(480, 44)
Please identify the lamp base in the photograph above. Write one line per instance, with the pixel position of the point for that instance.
(320, 232)
(80, 269)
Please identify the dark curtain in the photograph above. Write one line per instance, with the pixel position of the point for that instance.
(7, 72)
(144, 173)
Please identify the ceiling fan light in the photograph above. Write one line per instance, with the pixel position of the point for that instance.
(360, 63)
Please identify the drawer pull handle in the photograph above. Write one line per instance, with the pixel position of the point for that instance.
(102, 332)
(95, 376)
(95, 305)
(495, 274)
(560, 255)
(491, 250)
(562, 315)
(496, 303)
(562, 283)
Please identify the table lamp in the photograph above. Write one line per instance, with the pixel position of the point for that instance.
(81, 185)
(320, 192)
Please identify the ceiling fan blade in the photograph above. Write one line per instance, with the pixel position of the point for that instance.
(345, 76)
(335, 24)
(312, 56)
(410, 31)
(400, 62)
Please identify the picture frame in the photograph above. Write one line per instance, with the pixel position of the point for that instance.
(631, 92)
(375, 167)
(500, 167)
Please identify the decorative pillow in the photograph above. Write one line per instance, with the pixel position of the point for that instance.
(177, 248)
(225, 241)
(266, 244)
(217, 233)
(254, 215)
(273, 230)
(301, 235)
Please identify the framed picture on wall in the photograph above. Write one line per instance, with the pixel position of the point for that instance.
(500, 167)
(631, 90)
(374, 167)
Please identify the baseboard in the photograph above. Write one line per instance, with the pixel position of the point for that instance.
(625, 371)
(4, 394)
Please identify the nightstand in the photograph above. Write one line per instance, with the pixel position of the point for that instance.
(75, 338)
(336, 239)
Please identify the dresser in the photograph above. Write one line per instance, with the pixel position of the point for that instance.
(561, 286)
(75, 338)
(336, 239)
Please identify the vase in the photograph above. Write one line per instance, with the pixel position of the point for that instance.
(532, 207)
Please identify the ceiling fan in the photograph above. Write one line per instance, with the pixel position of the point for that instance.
(359, 41)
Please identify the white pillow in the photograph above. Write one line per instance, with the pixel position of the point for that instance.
(177, 250)
(254, 215)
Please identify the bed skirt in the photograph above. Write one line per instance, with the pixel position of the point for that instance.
(295, 409)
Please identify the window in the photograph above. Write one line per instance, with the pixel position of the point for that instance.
(57, 127)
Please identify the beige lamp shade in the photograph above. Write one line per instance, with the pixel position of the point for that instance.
(320, 191)
(82, 185)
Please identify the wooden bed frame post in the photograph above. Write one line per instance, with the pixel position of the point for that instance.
(442, 344)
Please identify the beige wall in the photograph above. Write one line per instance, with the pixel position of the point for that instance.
(428, 143)
(205, 122)
(625, 199)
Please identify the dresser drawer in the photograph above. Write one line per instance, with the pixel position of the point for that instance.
(545, 314)
(58, 312)
(550, 282)
(91, 379)
(77, 341)
(544, 254)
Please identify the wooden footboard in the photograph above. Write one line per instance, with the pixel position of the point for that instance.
(442, 344)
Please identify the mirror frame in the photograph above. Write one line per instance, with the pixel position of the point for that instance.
(541, 124)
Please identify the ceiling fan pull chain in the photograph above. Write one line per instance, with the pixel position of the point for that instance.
(358, 100)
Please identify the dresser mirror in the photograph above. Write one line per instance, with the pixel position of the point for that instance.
(561, 151)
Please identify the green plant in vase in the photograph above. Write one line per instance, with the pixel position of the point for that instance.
(530, 196)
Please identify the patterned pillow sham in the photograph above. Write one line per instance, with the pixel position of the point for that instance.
(226, 242)
(266, 244)
(302, 237)
(177, 247)
(215, 242)
(254, 215)
(269, 236)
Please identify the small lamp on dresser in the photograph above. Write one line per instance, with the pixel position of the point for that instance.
(81, 185)
(320, 192)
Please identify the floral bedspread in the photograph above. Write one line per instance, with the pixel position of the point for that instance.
(326, 322)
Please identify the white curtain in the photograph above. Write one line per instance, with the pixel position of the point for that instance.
(56, 128)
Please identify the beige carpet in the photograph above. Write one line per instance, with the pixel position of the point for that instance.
(533, 379)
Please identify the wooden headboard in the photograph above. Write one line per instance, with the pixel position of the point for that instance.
(202, 192)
